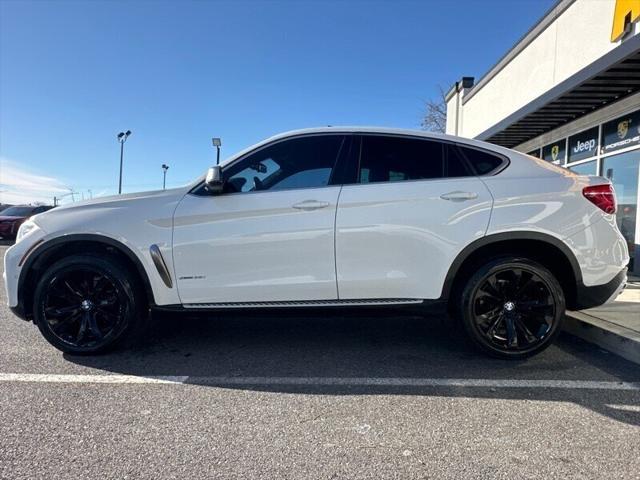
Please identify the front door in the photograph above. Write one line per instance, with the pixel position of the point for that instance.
(270, 236)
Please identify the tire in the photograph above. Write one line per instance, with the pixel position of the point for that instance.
(511, 307)
(86, 304)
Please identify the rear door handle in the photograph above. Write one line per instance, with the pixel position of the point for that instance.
(308, 205)
(459, 196)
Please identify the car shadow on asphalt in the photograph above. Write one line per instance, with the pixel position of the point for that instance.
(209, 349)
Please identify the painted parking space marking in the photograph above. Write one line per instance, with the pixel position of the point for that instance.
(73, 378)
(319, 381)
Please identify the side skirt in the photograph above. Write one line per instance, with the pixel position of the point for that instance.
(371, 307)
(305, 303)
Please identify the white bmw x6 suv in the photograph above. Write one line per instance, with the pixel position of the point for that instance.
(332, 217)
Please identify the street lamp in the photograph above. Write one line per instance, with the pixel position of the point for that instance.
(216, 143)
(71, 193)
(165, 167)
(122, 137)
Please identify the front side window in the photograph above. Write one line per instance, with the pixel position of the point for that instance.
(305, 162)
(396, 159)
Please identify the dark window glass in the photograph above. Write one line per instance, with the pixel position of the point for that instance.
(396, 159)
(534, 153)
(554, 152)
(483, 162)
(42, 209)
(621, 133)
(455, 165)
(583, 145)
(18, 211)
(305, 162)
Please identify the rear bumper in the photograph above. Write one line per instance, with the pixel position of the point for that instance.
(590, 297)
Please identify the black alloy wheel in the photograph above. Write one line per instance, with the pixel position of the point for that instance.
(85, 304)
(512, 307)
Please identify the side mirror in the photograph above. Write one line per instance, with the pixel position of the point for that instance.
(214, 182)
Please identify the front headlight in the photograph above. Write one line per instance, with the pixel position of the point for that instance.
(26, 228)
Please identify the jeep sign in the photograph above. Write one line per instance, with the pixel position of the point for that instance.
(583, 145)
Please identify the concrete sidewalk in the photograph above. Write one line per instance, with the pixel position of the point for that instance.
(615, 326)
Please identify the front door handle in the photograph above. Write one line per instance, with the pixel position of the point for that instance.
(459, 196)
(308, 205)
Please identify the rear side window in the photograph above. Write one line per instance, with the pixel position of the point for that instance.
(397, 159)
(483, 162)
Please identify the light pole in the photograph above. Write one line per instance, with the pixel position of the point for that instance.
(122, 137)
(216, 143)
(56, 200)
(165, 167)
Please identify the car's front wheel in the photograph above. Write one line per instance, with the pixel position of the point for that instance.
(512, 307)
(85, 304)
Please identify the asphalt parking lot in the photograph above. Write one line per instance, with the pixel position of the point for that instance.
(321, 397)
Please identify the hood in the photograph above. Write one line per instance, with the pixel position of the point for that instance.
(107, 213)
(116, 200)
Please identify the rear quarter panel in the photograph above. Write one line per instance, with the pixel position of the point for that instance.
(533, 195)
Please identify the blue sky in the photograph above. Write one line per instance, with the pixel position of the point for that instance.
(176, 73)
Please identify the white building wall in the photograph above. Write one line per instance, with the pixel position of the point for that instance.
(453, 113)
(578, 35)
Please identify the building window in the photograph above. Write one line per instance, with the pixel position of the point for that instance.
(583, 145)
(622, 170)
(555, 152)
(585, 168)
(623, 132)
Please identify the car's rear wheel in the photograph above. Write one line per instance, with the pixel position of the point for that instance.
(512, 307)
(85, 304)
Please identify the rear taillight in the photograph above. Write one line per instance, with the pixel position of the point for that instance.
(602, 196)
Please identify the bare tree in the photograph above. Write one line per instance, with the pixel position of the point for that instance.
(435, 116)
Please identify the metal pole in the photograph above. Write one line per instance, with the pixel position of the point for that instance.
(164, 178)
(218, 155)
(121, 155)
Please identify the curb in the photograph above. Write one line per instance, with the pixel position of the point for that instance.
(619, 340)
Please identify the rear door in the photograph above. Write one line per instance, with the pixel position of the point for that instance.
(413, 206)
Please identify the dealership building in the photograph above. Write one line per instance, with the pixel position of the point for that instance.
(567, 92)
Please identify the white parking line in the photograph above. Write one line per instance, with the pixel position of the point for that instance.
(319, 381)
(72, 378)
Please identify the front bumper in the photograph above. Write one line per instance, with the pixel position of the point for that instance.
(590, 297)
(14, 260)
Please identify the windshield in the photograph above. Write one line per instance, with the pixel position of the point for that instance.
(17, 211)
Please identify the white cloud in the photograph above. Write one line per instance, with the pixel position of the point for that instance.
(19, 184)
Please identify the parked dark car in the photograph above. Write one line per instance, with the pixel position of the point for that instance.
(11, 218)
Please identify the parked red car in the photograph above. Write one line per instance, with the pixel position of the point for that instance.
(11, 218)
